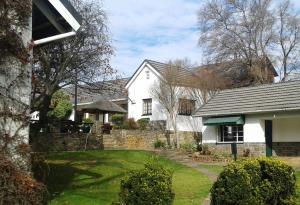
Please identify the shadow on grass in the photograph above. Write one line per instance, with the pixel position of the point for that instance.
(61, 177)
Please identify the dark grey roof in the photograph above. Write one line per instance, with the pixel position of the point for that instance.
(259, 99)
(102, 105)
(112, 90)
(182, 74)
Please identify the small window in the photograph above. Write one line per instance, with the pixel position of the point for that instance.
(186, 106)
(231, 133)
(147, 74)
(147, 106)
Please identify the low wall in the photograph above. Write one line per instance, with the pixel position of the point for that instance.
(143, 139)
(286, 148)
(45, 142)
(256, 149)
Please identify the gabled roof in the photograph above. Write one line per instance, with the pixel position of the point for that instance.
(249, 100)
(182, 74)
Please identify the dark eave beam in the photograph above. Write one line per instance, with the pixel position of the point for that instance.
(41, 5)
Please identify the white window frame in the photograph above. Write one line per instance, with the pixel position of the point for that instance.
(221, 133)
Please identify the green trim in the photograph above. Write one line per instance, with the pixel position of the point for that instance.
(230, 120)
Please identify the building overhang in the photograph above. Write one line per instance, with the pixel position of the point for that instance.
(225, 120)
(53, 20)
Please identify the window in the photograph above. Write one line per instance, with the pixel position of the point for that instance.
(147, 74)
(231, 133)
(186, 106)
(147, 106)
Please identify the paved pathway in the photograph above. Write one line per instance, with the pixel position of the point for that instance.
(183, 159)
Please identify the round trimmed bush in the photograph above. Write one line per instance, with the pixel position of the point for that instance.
(149, 186)
(255, 181)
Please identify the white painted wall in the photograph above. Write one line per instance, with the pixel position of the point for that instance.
(286, 130)
(140, 87)
(254, 129)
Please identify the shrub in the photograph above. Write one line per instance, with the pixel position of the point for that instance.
(87, 121)
(117, 119)
(61, 106)
(246, 152)
(17, 187)
(255, 181)
(143, 123)
(189, 147)
(130, 124)
(149, 186)
(159, 144)
(205, 149)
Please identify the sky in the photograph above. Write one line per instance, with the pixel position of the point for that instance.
(157, 30)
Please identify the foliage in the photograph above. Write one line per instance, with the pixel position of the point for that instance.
(14, 18)
(87, 121)
(130, 124)
(117, 119)
(143, 123)
(149, 186)
(189, 147)
(255, 181)
(17, 187)
(246, 152)
(61, 106)
(204, 149)
(159, 144)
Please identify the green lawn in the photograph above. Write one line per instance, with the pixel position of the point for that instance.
(93, 177)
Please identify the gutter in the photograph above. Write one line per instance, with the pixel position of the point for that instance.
(249, 112)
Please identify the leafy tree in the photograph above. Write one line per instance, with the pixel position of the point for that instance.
(61, 106)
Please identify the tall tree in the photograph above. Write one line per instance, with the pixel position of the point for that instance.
(167, 92)
(83, 59)
(288, 38)
(250, 32)
(205, 83)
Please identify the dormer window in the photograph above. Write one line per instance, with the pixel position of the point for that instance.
(147, 74)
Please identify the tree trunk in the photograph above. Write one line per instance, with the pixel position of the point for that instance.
(44, 110)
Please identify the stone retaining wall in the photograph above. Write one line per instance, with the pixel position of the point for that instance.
(45, 142)
(256, 149)
(144, 139)
(286, 148)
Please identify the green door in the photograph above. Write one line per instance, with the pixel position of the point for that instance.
(269, 137)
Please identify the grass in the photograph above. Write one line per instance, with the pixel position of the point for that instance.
(93, 177)
(217, 169)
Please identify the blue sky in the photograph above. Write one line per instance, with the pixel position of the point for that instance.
(157, 30)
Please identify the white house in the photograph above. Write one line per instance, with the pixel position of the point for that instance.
(142, 104)
(264, 119)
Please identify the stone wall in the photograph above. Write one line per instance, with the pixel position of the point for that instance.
(259, 149)
(286, 148)
(143, 139)
(256, 149)
(45, 142)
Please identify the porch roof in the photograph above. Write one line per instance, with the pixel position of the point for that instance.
(276, 97)
(102, 105)
(231, 120)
